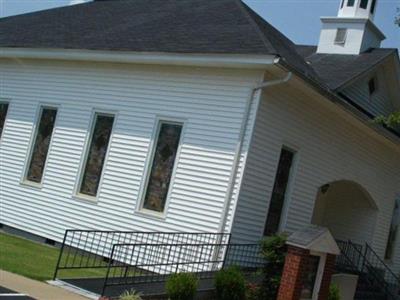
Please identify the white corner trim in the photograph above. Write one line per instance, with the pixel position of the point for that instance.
(207, 60)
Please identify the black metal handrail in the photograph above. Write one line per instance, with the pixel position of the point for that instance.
(363, 262)
(381, 261)
(133, 264)
(91, 249)
(349, 258)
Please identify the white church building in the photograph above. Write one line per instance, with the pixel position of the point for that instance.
(198, 116)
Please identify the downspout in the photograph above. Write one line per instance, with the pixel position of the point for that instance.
(239, 148)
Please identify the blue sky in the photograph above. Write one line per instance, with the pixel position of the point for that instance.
(297, 19)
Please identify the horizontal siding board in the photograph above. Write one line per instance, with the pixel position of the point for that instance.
(212, 102)
(330, 148)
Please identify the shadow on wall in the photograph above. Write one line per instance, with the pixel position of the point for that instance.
(347, 209)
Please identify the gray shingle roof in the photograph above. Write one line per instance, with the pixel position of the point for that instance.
(179, 26)
(336, 70)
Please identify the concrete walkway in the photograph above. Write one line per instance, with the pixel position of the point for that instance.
(36, 289)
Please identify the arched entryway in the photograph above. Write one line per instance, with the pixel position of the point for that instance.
(347, 210)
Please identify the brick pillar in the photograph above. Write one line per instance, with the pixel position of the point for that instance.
(293, 274)
(326, 277)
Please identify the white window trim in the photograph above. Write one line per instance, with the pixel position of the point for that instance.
(320, 273)
(290, 185)
(289, 188)
(5, 101)
(149, 163)
(88, 140)
(42, 105)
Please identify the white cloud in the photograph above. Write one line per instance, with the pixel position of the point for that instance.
(73, 2)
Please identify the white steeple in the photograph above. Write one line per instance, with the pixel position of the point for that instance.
(352, 31)
(357, 9)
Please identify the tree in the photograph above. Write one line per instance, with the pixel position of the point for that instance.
(391, 121)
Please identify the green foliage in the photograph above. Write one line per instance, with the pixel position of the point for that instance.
(230, 284)
(397, 19)
(130, 295)
(274, 250)
(391, 121)
(181, 286)
(334, 293)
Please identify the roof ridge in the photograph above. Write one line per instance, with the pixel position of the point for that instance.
(253, 23)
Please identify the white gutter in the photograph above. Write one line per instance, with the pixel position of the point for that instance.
(239, 147)
(181, 59)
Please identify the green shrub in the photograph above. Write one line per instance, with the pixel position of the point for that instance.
(130, 295)
(334, 292)
(181, 286)
(230, 284)
(274, 251)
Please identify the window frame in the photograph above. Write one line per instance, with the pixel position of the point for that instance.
(5, 101)
(389, 258)
(361, 4)
(88, 140)
(149, 164)
(352, 2)
(343, 41)
(320, 272)
(375, 79)
(289, 187)
(373, 7)
(42, 105)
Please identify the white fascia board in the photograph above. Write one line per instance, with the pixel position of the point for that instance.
(180, 59)
(367, 22)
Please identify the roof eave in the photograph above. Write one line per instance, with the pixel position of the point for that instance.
(251, 61)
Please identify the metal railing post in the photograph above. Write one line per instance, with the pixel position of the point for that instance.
(108, 271)
(60, 255)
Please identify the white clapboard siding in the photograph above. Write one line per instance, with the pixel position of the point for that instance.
(330, 148)
(377, 103)
(212, 101)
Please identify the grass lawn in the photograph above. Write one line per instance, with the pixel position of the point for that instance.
(34, 260)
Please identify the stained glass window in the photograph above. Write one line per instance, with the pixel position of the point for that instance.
(96, 154)
(162, 166)
(44, 131)
(279, 193)
(3, 115)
